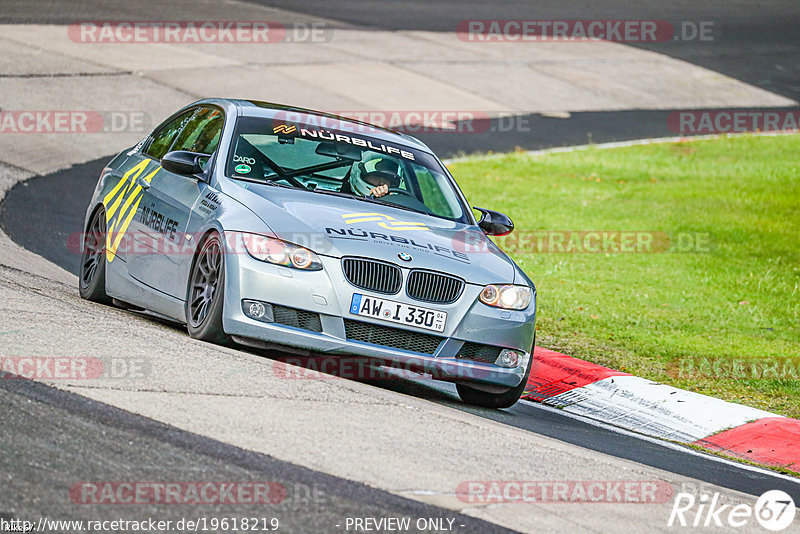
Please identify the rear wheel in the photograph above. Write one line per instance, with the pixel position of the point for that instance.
(506, 399)
(92, 280)
(205, 294)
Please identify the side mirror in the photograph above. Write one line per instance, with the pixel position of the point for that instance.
(494, 222)
(183, 162)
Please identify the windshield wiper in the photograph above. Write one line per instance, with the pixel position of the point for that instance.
(267, 181)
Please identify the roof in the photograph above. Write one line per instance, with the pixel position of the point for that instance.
(270, 110)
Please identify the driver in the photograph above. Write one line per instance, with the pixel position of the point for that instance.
(376, 182)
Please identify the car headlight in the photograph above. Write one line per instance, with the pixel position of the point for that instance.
(508, 297)
(280, 252)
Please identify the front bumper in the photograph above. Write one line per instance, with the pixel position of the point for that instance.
(327, 294)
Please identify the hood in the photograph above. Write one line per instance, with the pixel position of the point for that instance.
(338, 226)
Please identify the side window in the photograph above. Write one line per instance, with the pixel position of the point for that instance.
(202, 132)
(165, 135)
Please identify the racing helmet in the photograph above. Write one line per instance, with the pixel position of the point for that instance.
(373, 166)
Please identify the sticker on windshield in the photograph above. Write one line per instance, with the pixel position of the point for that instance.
(284, 129)
(328, 135)
(243, 159)
(242, 169)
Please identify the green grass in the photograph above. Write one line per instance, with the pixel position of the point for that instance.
(736, 299)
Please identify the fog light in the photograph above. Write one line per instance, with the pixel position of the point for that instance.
(509, 358)
(257, 310)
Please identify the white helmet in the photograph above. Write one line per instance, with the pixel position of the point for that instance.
(374, 164)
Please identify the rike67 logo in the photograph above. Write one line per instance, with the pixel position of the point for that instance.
(774, 510)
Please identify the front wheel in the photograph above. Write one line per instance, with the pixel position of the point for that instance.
(485, 399)
(92, 279)
(205, 294)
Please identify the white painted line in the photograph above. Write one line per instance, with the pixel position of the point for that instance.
(655, 409)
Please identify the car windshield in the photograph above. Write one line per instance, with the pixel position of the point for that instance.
(342, 163)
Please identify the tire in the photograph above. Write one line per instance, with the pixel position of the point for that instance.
(485, 399)
(92, 270)
(205, 293)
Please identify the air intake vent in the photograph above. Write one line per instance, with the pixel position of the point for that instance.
(373, 275)
(391, 337)
(430, 286)
(297, 318)
(478, 352)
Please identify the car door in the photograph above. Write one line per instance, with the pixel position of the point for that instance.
(167, 203)
(122, 202)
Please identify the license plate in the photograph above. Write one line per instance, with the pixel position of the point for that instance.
(397, 312)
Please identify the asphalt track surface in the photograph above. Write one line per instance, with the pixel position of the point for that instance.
(757, 43)
(55, 438)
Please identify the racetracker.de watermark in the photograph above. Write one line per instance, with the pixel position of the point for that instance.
(198, 32)
(166, 238)
(721, 121)
(733, 368)
(565, 491)
(587, 242)
(73, 122)
(180, 493)
(368, 369)
(73, 367)
(572, 30)
(447, 121)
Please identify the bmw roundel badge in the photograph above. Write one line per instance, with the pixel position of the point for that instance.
(405, 257)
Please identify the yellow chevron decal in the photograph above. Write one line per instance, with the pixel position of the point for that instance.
(353, 218)
(384, 221)
(128, 194)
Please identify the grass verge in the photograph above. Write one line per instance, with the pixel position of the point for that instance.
(709, 297)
